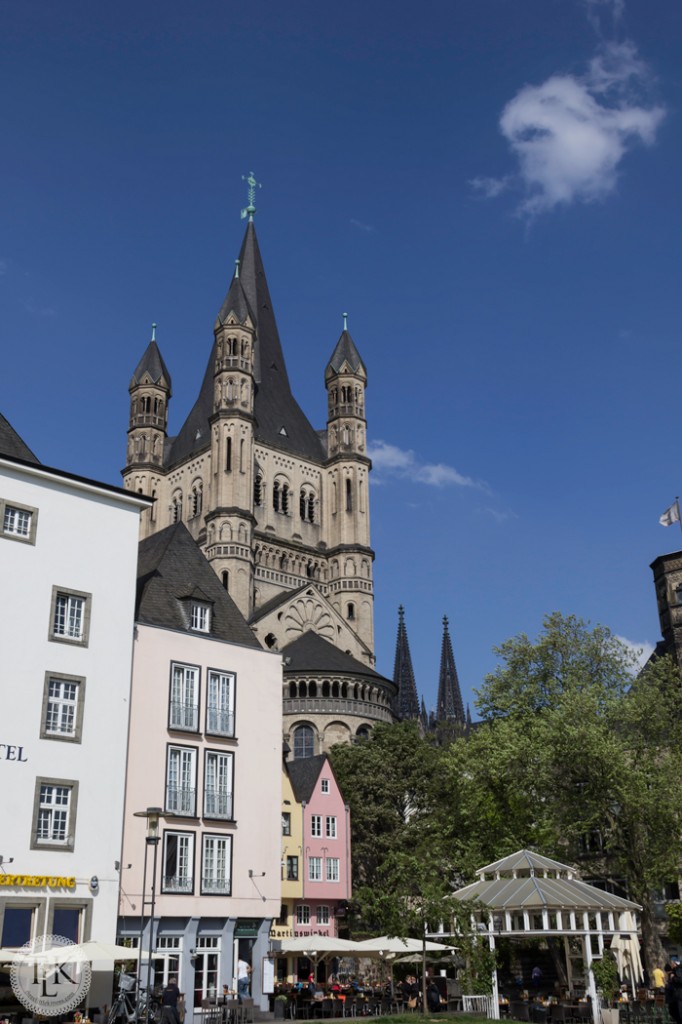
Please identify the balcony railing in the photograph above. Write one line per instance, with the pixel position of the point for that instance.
(219, 722)
(216, 886)
(336, 706)
(178, 883)
(217, 804)
(183, 716)
(181, 801)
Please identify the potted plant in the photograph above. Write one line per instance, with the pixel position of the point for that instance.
(605, 974)
(280, 1006)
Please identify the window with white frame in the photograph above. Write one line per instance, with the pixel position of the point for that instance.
(292, 869)
(201, 617)
(184, 698)
(216, 865)
(220, 703)
(218, 784)
(324, 785)
(181, 774)
(330, 826)
(316, 825)
(70, 616)
(178, 862)
(286, 823)
(302, 914)
(166, 959)
(314, 869)
(62, 709)
(206, 967)
(54, 817)
(18, 522)
(332, 869)
(323, 915)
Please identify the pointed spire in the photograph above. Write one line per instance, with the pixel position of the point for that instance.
(406, 703)
(152, 364)
(345, 352)
(450, 707)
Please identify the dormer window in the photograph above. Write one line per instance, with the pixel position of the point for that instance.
(201, 617)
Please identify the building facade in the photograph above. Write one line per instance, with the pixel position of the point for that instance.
(205, 748)
(280, 510)
(316, 860)
(67, 647)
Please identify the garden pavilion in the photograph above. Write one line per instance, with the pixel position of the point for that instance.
(526, 895)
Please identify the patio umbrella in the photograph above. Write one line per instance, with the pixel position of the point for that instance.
(94, 951)
(390, 946)
(625, 948)
(320, 945)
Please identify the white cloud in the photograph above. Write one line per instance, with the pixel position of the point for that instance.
(570, 134)
(369, 228)
(640, 651)
(389, 460)
(614, 8)
(490, 188)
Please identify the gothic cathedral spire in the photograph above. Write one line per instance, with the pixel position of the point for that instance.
(450, 707)
(406, 704)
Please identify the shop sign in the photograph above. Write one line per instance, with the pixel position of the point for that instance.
(38, 881)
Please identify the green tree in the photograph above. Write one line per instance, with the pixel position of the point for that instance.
(574, 758)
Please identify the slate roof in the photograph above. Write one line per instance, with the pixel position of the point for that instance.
(153, 364)
(346, 351)
(312, 653)
(304, 774)
(279, 419)
(11, 444)
(171, 568)
(276, 601)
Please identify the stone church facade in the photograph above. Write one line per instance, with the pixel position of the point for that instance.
(279, 509)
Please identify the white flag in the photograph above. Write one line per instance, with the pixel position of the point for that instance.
(671, 515)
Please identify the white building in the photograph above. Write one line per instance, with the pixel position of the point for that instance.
(206, 748)
(68, 558)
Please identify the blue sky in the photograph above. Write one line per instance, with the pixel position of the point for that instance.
(490, 188)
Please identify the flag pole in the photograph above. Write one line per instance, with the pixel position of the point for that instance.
(677, 502)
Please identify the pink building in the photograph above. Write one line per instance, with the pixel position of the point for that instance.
(320, 906)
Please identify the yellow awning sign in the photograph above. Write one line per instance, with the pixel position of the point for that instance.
(38, 881)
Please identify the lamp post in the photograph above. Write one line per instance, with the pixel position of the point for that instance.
(153, 815)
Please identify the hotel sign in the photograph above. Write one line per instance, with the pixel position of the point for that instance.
(38, 881)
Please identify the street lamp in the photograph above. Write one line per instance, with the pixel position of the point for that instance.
(153, 815)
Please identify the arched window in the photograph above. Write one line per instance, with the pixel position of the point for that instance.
(197, 499)
(176, 508)
(311, 508)
(275, 496)
(349, 495)
(362, 733)
(302, 505)
(325, 688)
(226, 579)
(292, 690)
(312, 689)
(350, 611)
(258, 490)
(228, 454)
(285, 500)
(304, 742)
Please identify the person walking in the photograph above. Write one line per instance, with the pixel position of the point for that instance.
(169, 1002)
(243, 978)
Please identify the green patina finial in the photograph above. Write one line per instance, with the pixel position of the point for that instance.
(153, 332)
(253, 185)
(345, 321)
(236, 268)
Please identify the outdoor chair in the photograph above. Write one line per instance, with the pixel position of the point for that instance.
(245, 1012)
(517, 1011)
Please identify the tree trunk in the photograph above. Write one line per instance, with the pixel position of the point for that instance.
(652, 947)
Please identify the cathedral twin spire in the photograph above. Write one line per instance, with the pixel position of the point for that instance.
(449, 707)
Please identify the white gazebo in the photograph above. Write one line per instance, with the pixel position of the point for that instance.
(527, 895)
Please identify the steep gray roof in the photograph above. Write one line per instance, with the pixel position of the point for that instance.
(276, 601)
(346, 352)
(304, 774)
(11, 444)
(171, 569)
(153, 364)
(312, 653)
(279, 419)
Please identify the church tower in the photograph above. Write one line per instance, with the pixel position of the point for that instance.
(279, 509)
(407, 700)
(450, 707)
(150, 393)
(347, 479)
